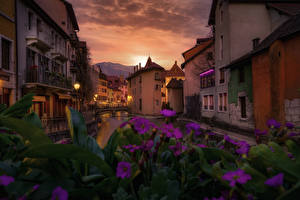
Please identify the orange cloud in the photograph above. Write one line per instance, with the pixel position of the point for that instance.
(127, 31)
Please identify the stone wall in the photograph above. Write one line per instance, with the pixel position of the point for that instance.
(235, 114)
(292, 111)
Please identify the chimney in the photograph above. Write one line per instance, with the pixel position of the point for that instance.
(140, 65)
(175, 62)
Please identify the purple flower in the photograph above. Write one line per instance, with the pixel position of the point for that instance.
(201, 145)
(238, 176)
(141, 125)
(148, 145)
(290, 155)
(193, 127)
(6, 180)
(59, 193)
(124, 170)
(272, 123)
(228, 139)
(168, 113)
(243, 148)
(289, 125)
(171, 131)
(259, 132)
(35, 187)
(275, 181)
(221, 147)
(178, 148)
(293, 134)
(131, 148)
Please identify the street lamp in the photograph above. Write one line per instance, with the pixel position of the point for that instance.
(76, 87)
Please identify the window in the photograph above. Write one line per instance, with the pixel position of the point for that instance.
(211, 102)
(157, 102)
(241, 75)
(220, 102)
(205, 102)
(5, 53)
(29, 20)
(225, 101)
(157, 87)
(221, 47)
(222, 75)
(157, 76)
(243, 107)
(207, 79)
(140, 104)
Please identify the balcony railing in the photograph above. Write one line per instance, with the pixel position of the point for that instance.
(37, 74)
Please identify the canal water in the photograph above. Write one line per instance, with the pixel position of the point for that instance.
(108, 124)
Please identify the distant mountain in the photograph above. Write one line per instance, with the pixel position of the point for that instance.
(115, 69)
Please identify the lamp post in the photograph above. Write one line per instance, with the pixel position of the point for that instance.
(76, 87)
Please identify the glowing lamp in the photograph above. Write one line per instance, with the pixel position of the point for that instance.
(76, 86)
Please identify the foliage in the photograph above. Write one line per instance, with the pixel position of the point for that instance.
(143, 161)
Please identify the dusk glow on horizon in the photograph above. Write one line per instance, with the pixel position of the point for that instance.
(128, 31)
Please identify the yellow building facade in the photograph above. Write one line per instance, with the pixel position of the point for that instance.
(7, 52)
(144, 89)
(174, 73)
(102, 92)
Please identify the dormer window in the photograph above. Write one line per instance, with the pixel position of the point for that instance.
(255, 42)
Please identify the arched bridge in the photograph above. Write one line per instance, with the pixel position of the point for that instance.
(100, 110)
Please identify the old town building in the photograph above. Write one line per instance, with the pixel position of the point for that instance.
(239, 26)
(8, 57)
(144, 91)
(199, 83)
(47, 41)
(174, 73)
(175, 94)
(102, 94)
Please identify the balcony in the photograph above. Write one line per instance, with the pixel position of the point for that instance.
(40, 40)
(59, 53)
(43, 77)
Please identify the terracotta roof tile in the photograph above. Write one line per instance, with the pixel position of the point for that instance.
(175, 84)
(174, 71)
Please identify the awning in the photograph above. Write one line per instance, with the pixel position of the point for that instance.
(64, 96)
(39, 98)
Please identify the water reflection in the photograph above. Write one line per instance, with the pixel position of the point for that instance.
(109, 122)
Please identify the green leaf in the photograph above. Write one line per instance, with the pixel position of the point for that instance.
(277, 159)
(34, 135)
(291, 194)
(20, 108)
(217, 154)
(111, 147)
(294, 149)
(79, 134)
(33, 119)
(67, 151)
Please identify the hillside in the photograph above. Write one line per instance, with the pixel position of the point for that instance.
(115, 69)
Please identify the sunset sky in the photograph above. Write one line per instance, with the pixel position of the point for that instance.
(128, 31)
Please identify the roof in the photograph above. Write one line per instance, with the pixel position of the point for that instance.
(287, 29)
(72, 15)
(196, 51)
(175, 84)
(102, 76)
(174, 71)
(148, 67)
(286, 8)
(211, 20)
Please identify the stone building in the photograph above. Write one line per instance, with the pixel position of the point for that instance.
(199, 78)
(47, 44)
(8, 57)
(238, 27)
(102, 98)
(175, 94)
(144, 91)
(174, 73)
